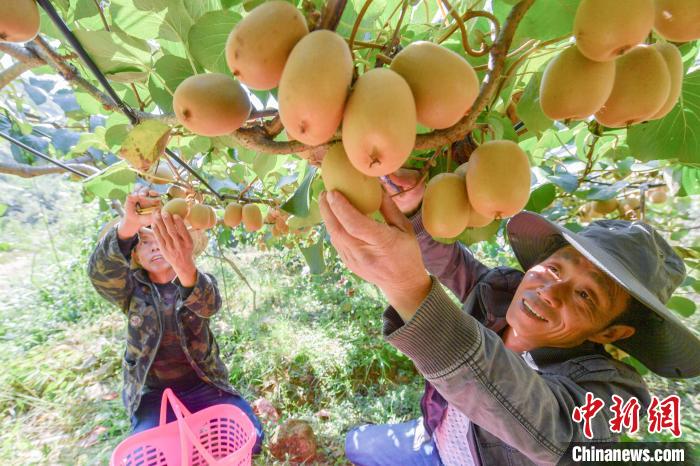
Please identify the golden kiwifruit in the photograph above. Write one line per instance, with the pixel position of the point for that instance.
(574, 87)
(202, 217)
(161, 173)
(446, 206)
(642, 85)
(258, 46)
(678, 20)
(379, 123)
(674, 61)
(19, 20)
(311, 103)
(444, 85)
(628, 207)
(657, 196)
(176, 192)
(233, 214)
(462, 169)
(177, 207)
(605, 207)
(364, 192)
(604, 30)
(212, 104)
(498, 179)
(252, 217)
(586, 212)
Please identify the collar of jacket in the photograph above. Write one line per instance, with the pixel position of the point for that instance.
(494, 294)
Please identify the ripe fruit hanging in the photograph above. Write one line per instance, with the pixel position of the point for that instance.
(379, 124)
(233, 214)
(498, 179)
(161, 173)
(19, 20)
(674, 61)
(177, 207)
(446, 207)
(574, 87)
(606, 29)
(678, 20)
(258, 46)
(211, 104)
(605, 207)
(364, 192)
(657, 196)
(642, 85)
(314, 87)
(444, 85)
(176, 192)
(252, 217)
(202, 217)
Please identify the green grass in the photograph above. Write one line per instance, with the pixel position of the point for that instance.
(311, 343)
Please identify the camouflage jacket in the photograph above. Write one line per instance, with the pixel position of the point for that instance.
(132, 291)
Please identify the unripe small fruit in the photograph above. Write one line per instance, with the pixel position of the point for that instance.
(177, 207)
(364, 192)
(657, 196)
(233, 214)
(175, 192)
(252, 217)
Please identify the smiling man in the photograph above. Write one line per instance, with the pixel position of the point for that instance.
(506, 370)
(169, 304)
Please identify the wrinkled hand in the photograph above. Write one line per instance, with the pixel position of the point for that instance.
(387, 255)
(411, 187)
(132, 221)
(175, 245)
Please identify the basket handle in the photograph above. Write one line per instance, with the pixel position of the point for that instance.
(168, 395)
(185, 431)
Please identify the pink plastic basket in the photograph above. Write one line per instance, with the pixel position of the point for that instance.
(220, 435)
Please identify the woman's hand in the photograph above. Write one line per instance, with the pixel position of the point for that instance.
(386, 255)
(176, 246)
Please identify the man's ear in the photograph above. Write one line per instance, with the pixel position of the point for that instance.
(612, 333)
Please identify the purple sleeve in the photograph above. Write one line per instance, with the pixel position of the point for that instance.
(452, 264)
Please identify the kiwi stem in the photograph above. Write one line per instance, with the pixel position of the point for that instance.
(356, 26)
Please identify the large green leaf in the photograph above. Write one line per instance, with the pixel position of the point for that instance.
(114, 182)
(150, 19)
(681, 305)
(207, 39)
(677, 135)
(298, 204)
(545, 20)
(145, 144)
(171, 71)
(117, 55)
(541, 197)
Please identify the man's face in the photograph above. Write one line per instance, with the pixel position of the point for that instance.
(563, 301)
(148, 253)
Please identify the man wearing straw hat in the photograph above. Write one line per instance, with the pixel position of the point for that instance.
(507, 370)
(145, 265)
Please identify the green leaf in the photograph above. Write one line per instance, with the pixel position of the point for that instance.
(150, 19)
(690, 180)
(207, 39)
(116, 134)
(545, 20)
(529, 109)
(115, 53)
(114, 182)
(603, 192)
(541, 197)
(263, 164)
(682, 306)
(298, 204)
(475, 235)
(565, 181)
(314, 255)
(3, 209)
(677, 135)
(171, 71)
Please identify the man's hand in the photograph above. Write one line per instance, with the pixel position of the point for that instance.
(132, 221)
(387, 255)
(176, 246)
(411, 187)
